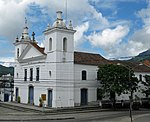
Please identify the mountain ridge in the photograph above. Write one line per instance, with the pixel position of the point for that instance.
(141, 56)
(6, 70)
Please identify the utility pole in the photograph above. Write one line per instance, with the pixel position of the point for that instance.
(131, 87)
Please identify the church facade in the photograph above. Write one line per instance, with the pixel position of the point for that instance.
(55, 73)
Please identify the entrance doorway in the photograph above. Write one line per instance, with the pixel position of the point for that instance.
(31, 95)
(50, 98)
(6, 97)
(84, 97)
(16, 95)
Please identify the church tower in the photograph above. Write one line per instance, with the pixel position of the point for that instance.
(21, 43)
(59, 39)
(59, 47)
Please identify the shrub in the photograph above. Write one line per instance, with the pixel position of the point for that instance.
(41, 102)
(19, 99)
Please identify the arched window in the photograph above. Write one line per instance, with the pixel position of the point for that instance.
(50, 44)
(65, 44)
(17, 52)
(83, 75)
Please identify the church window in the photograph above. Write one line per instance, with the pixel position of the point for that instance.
(65, 44)
(50, 73)
(25, 74)
(83, 75)
(31, 74)
(37, 74)
(17, 52)
(50, 44)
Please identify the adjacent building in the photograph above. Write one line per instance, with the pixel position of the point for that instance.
(6, 88)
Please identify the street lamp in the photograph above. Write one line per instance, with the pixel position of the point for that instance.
(131, 88)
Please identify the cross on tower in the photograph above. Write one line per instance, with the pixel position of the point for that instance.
(25, 21)
(33, 38)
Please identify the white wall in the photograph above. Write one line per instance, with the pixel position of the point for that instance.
(90, 84)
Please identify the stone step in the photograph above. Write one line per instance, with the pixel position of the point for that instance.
(31, 108)
(18, 108)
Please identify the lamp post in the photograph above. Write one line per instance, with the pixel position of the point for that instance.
(131, 87)
(131, 97)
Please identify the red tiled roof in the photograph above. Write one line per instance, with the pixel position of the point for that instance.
(40, 49)
(89, 59)
(135, 66)
(96, 59)
(147, 62)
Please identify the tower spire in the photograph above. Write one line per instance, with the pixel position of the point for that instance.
(26, 22)
(25, 33)
(66, 12)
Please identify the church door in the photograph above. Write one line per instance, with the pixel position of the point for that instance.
(84, 98)
(16, 95)
(50, 98)
(31, 94)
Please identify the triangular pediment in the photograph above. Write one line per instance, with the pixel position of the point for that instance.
(31, 52)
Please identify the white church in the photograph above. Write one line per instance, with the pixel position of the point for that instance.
(62, 77)
(56, 73)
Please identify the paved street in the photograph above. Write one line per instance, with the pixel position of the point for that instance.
(10, 115)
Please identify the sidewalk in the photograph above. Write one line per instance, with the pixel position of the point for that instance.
(37, 109)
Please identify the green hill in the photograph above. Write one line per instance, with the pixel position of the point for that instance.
(6, 70)
(141, 57)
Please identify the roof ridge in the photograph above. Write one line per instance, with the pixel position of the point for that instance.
(40, 49)
(87, 53)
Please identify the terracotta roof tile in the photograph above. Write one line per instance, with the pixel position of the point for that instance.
(135, 66)
(89, 59)
(38, 48)
(147, 63)
(96, 59)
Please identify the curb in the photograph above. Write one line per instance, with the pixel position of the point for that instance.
(34, 119)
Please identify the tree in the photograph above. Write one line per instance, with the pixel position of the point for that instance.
(116, 79)
(147, 85)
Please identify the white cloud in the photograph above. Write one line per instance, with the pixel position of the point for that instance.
(41, 44)
(79, 36)
(13, 12)
(139, 40)
(7, 61)
(145, 15)
(12, 16)
(138, 43)
(108, 37)
(85, 17)
(126, 50)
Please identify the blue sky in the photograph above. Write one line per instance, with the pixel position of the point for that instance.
(112, 28)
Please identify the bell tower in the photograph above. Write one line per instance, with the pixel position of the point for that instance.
(59, 47)
(59, 40)
(21, 43)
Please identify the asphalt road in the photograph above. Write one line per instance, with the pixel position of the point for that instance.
(10, 115)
